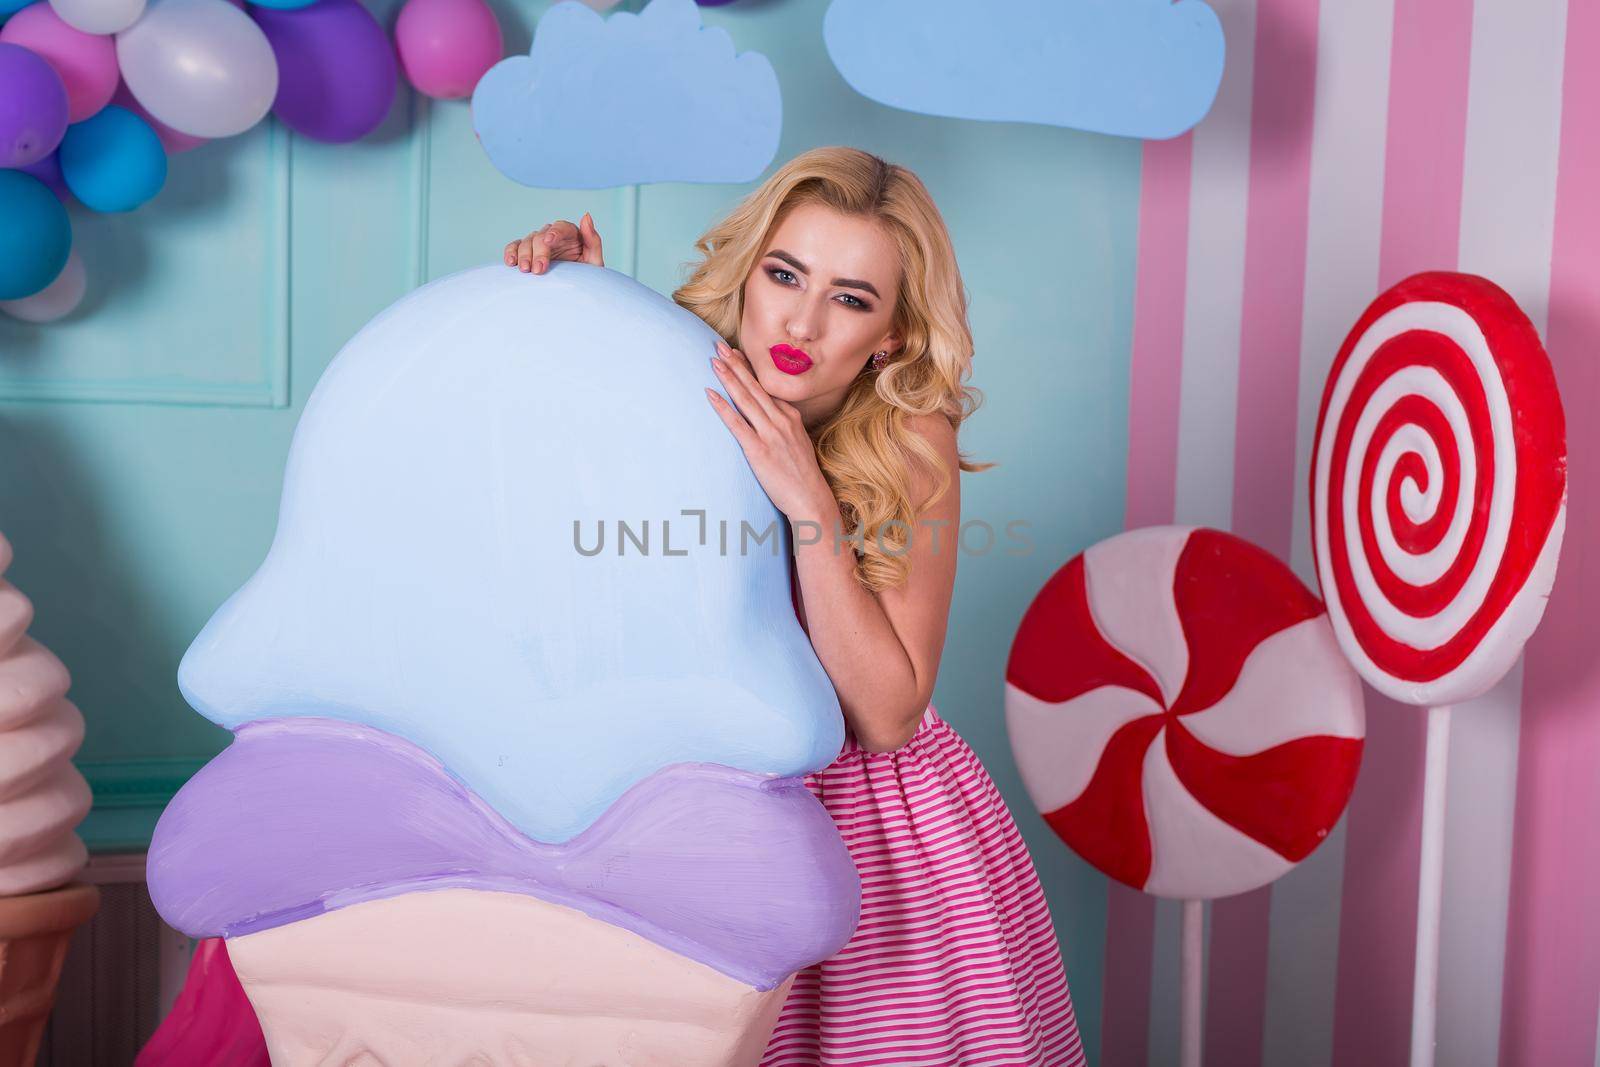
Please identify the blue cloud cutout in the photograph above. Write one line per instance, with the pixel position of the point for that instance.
(1135, 68)
(624, 99)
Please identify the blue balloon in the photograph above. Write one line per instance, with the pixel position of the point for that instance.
(35, 235)
(11, 7)
(276, 5)
(113, 160)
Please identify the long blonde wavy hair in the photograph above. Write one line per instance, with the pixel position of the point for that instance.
(865, 449)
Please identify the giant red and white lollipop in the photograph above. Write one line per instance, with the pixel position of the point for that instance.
(1181, 714)
(1438, 501)
(1183, 719)
(1438, 488)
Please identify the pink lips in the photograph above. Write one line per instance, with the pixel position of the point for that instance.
(789, 359)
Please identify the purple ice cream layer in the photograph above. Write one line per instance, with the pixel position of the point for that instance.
(742, 872)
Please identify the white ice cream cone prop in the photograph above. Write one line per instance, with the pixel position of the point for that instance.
(42, 795)
(42, 798)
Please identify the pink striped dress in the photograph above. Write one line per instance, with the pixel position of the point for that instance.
(955, 960)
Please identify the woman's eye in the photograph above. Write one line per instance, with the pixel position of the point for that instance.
(782, 277)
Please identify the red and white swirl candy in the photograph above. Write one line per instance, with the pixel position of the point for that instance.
(1438, 488)
(1181, 714)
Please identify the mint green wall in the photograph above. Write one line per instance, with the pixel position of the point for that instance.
(142, 441)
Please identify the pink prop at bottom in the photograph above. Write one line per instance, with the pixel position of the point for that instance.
(211, 1022)
(460, 975)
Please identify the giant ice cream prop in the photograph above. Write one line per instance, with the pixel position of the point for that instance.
(42, 797)
(493, 792)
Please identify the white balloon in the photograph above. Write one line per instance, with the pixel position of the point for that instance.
(202, 67)
(99, 16)
(56, 299)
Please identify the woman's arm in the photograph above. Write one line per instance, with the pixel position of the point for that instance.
(882, 651)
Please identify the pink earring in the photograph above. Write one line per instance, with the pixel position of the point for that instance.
(879, 359)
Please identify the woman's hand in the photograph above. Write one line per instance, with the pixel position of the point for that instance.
(556, 240)
(772, 435)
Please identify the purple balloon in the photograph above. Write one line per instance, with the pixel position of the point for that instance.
(48, 170)
(33, 106)
(337, 72)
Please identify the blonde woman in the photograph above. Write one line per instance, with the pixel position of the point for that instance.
(845, 344)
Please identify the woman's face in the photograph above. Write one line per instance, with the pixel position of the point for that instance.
(817, 305)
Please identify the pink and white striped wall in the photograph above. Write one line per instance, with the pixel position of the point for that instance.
(1355, 142)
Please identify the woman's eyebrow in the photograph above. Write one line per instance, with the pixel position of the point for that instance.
(852, 283)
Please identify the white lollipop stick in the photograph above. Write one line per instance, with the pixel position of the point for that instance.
(1190, 1021)
(1430, 889)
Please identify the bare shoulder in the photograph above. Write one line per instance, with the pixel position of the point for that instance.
(937, 431)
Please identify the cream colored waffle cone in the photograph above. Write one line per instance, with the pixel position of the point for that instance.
(34, 932)
(458, 976)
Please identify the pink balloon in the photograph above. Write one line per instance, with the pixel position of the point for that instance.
(86, 62)
(172, 140)
(446, 45)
